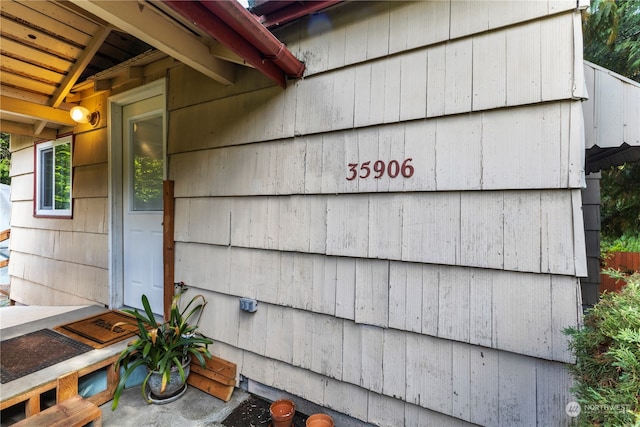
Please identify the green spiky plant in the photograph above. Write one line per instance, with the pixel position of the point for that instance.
(607, 351)
(162, 346)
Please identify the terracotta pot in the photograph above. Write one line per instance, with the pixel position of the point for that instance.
(319, 420)
(282, 412)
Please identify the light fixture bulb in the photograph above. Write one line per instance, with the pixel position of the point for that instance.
(81, 114)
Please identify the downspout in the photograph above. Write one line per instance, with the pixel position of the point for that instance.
(275, 61)
(249, 27)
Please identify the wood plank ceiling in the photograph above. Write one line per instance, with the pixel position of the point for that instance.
(49, 48)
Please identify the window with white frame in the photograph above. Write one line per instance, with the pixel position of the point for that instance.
(53, 178)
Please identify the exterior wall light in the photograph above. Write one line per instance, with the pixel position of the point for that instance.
(83, 115)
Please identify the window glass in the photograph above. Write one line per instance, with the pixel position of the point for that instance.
(148, 164)
(53, 177)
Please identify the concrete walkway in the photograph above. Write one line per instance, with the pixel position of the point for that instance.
(195, 408)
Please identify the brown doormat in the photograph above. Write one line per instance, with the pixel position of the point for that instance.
(34, 351)
(98, 331)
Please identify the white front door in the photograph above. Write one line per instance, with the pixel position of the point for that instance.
(143, 157)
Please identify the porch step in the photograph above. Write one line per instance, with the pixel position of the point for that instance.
(73, 412)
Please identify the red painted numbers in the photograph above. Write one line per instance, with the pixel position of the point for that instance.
(393, 169)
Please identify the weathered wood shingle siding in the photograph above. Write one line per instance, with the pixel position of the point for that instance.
(61, 261)
(434, 300)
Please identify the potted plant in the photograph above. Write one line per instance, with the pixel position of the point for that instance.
(165, 349)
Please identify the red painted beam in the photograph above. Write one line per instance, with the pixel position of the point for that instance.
(219, 30)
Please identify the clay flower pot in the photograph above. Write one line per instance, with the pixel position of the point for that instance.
(282, 412)
(319, 420)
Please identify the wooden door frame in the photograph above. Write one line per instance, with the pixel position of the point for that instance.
(116, 219)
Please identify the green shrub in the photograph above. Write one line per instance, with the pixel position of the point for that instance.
(624, 243)
(607, 351)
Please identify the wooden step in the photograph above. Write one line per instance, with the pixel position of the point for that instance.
(73, 412)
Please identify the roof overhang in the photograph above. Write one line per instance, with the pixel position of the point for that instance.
(47, 46)
(611, 119)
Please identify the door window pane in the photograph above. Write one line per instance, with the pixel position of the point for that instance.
(147, 164)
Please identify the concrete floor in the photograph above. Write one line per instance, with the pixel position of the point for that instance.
(195, 408)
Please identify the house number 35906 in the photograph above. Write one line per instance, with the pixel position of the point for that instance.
(379, 168)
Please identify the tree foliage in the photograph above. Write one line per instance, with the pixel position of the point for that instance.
(611, 31)
(5, 159)
(620, 201)
(607, 351)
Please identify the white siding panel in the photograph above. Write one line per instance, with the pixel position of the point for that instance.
(252, 330)
(632, 112)
(482, 229)
(391, 146)
(557, 69)
(517, 379)
(557, 253)
(347, 225)
(313, 160)
(522, 313)
(553, 382)
(522, 231)
(367, 151)
(296, 283)
(610, 119)
(222, 310)
(385, 239)
(385, 411)
(327, 342)
(314, 104)
(436, 78)
(393, 366)
(372, 357)
(458, 75)
(565, 312)
(429, 373)
(278, 332)
(489, 71)
(432, 220)
(459, 153)
(324, 284)
(461, 382)
(289, 167)
(392, 94)
(430, 298)
(346, 288)
(415, 24)
(453, 304)
(346, 398)
(377, 32)
(416, 312)
(352, 353)
(420, 147)
(522, 147)
(21, 188)
(398, 295)
(579, 243)
(469, 17)
(337, 151)
(266, 274)
(512, 12)
(372, 292)
(523, 58)
(364, 92)
(343, 98)
(484, 401)
(302, 339)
